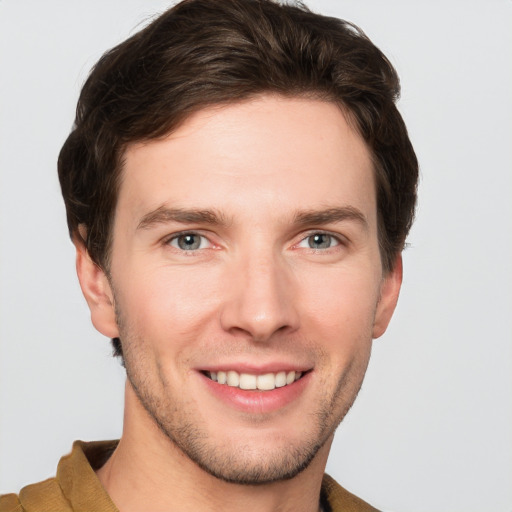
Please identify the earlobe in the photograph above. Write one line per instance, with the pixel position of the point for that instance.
(389, 292)
(97, 292)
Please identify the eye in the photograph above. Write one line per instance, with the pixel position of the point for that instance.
(189, 242)
(319, 241)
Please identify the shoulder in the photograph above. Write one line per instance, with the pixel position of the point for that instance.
(75, 487)
(339, 499)
(10, 503)
(45, 496)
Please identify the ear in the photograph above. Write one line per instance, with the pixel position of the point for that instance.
(97, 292)
(389, 292)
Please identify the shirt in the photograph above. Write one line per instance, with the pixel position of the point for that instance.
(76, 487)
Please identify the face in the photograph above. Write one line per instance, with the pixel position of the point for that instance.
(246, 283)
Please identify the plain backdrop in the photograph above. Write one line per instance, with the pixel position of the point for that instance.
(432, 428)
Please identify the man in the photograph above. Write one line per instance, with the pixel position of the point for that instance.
(239, 186)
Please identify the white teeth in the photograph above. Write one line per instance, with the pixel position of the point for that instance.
(248, 381)
(280, 379)
(233, 379)
(266, 382)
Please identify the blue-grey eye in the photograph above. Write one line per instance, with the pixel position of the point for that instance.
(189, 242)
(321, 241)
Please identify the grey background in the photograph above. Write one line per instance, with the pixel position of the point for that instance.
(432, 428)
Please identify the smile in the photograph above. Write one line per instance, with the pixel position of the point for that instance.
(248, 381)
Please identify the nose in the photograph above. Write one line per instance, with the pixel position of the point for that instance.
(260, 299)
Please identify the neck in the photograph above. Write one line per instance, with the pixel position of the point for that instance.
(148, 468)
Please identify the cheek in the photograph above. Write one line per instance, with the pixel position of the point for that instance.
(342, 311)
(168, 301)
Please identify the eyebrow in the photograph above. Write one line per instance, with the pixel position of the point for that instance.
(163, 214)
(331, 215)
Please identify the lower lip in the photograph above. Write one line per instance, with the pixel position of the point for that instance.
(256, 401)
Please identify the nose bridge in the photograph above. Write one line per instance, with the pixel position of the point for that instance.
(260, 302)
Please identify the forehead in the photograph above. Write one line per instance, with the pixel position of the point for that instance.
(267, 153)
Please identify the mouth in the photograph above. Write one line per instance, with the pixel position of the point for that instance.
(250, 381)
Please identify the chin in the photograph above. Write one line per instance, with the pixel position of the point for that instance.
(246, 464)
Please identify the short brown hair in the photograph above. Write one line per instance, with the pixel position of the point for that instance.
(205, 52)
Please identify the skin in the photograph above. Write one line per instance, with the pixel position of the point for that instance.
(253, 295)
